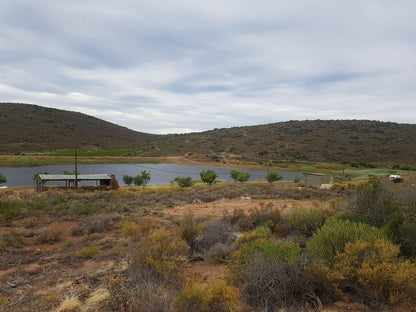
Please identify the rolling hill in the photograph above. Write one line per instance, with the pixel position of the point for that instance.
(31, 128)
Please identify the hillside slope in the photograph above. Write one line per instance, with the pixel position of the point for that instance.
(31, 128)
(318, 140)
(34, 128)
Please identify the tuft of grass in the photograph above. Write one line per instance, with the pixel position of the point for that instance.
(88, 252)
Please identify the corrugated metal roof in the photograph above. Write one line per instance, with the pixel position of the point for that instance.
(66, 177)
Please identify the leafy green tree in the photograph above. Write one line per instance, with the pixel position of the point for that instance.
(2, 178)
(243, 176)
(128, 180)
(234, 175)
(208, 176)
(184, 181)
(273, 176)
(138, 180)
(145, 177)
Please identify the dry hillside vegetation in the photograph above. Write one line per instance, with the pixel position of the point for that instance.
(232, 247)
(360, 142)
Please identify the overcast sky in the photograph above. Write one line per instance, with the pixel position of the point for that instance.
(191, 65)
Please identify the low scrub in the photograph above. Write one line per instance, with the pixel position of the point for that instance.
(307, 221)
(217, 296)
(334, 235)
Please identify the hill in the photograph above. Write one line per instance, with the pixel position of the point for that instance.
(31, 128)
(317, 141)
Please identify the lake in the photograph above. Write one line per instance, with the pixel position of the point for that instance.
(159, 173)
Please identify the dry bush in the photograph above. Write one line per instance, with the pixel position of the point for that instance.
(275, 285)
(214, 232)
(153, 297)
(97, 301)
(220, 252)
(375, 273)
(97, 224)
(216, 297)
(263, 215)
(140, 229)
(189, 228)
(88, 252)
(162, 252)
(70, 304)
(307, 221)
(49, 236)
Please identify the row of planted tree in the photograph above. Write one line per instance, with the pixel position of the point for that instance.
(207, 176)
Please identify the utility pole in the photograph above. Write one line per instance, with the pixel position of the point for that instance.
(76, 170)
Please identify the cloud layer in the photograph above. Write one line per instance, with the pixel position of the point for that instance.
(179, 66)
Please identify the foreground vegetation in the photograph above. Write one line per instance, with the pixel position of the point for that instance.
(127, 250)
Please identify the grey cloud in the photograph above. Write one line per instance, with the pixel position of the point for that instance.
(198, 65)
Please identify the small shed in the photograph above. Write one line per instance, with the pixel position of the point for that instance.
(318, 179)
(69, 179)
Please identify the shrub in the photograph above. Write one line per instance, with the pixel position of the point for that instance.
(2, 178)
(375, 273)
(220, 252)
(374, 204)
(264, 215)
(162, 252)
(128, 180)
(273, 176)
(189, 228)
(258, 244)
(184, 181)
(275, 285)
(217, 296)
(140, 229)
(333, 236)
(214, 232)
(49, 236)
(307, 221)
(88, 252)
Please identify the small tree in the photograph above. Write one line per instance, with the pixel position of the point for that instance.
(273, 176)
(208, 176)
(243, 177)
(145, 177)
(184, 181)
(128, 180)
(234, 175)
(138, 180)
(2, 178)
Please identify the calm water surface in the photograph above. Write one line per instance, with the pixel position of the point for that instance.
(159, 173)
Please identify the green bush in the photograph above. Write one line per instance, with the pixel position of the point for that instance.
(184, 181)
(331, 238)
(307, 221)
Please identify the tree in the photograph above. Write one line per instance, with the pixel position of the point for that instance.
(2, 178)
(145, 177)
(208, 176)
(138, 180)
(184, 181)
(128, 179)
(234, 175)
(273, 176)
(243, 176)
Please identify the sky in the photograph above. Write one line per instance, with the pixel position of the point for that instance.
(190, 65)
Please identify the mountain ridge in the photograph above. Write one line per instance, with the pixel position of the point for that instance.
(50, 129)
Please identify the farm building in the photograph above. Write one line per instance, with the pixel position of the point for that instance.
(101, 180)
(317, 179)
